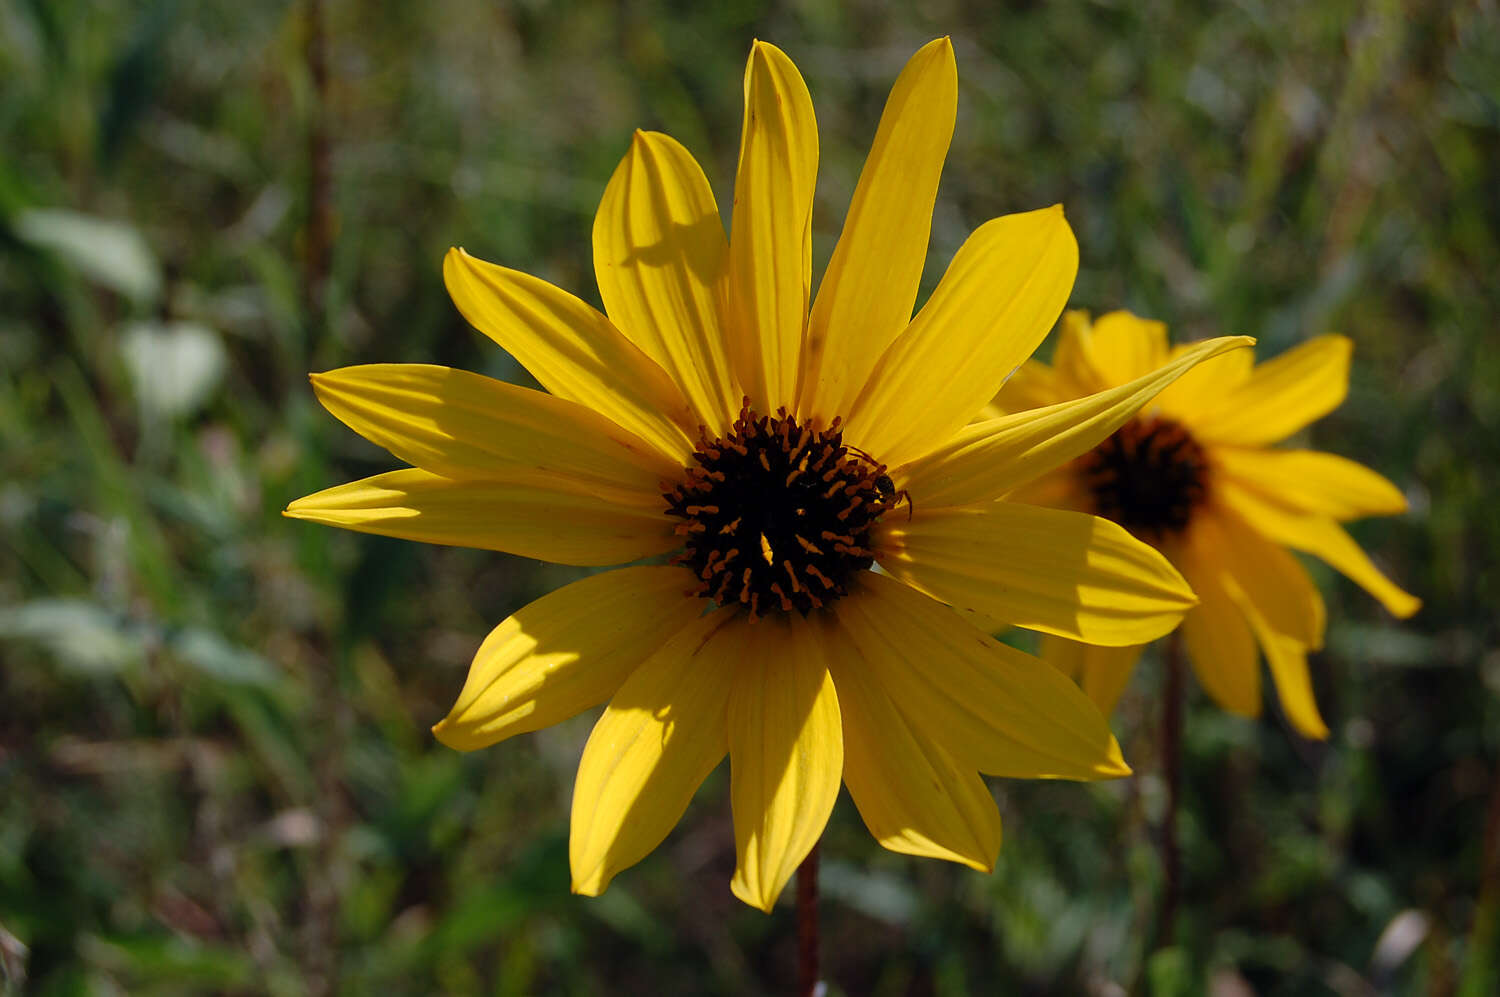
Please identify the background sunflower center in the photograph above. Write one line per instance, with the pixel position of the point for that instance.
(777, 515)
(1149, 476)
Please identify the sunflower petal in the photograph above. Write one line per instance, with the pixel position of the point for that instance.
(1321, 537)
(1101, 672)
(870, 285)
(770, 235)
(1122, 347)
(1309, 481)
(461, 425)
(566, 652)
(535, 519)
(1287, 659)
(659, 738)
(1219, 644)
(786, 754)
(1265, 573)
(987, 459)
(1281, 395)
(1000, 295)
(661, 260)
(914, 796)
(1059, 572)
(992, 707)
(1206, 385)
(574, 352)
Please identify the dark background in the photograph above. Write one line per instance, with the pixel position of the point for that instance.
(215, 769)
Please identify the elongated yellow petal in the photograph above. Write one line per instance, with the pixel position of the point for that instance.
(1309, 481)
(461, 425)
(1072, 359)
(1122, 346)
(536, 519)
(574, 352)
(1267, 574)
(1102, 672)
(786, 753)
(1287, 659)
(987, 459)
(914, 796)
(992, 707)
(1206, 385)
(566, 652)
(1323, 538)
(1281, 395)
(1033, 385)
(770, 234)
(662, 262)
(659, 738)
(1000, 295)
(1218, 641)
(867, 292)
(1059, 572)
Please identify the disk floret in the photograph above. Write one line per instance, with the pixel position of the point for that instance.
(777, 515)
(1149, 477)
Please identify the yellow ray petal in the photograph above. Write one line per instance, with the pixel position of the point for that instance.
(987, 459)
(1206, 385)
(461, 425)
(574, 352)
(1033, 385)
(1267, 574)
(991, 706)
(786, 753)
(659, 738)
(867, 292)
(1060, 572)
(661, 260)
(914, 796)
(1281, 395)
(1101, 672)
(566, 652)
(1218, 641)
(1072, 359)
(1000, 295)
(1323, 538)
(1122, 347)
(1287, 659)
(531, 518)
(1312, 482)
(770, 234)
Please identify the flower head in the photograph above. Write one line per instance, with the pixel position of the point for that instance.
(778, 452)
(1195, 474)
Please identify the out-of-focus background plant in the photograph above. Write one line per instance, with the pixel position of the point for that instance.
(215, 771)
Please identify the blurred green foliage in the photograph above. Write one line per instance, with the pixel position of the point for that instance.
(214, 763)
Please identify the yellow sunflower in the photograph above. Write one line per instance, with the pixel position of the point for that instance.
(778, 454)
(1196, 475)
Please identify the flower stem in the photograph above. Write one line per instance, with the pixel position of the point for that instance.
(1171, 770)
(807, 925)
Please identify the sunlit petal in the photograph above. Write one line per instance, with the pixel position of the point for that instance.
(993, 707)
(575, 352)
(532, 518)
(661, 259)
(995, 303)
(1281, 395)
(542, 665)
(770, 235)
(867, 292)
(659, 738)
(1060, 572)
(786, 753)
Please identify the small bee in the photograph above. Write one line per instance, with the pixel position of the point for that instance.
(884, 486)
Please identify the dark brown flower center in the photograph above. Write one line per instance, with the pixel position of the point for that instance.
(1149, 477)
(777, 516)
